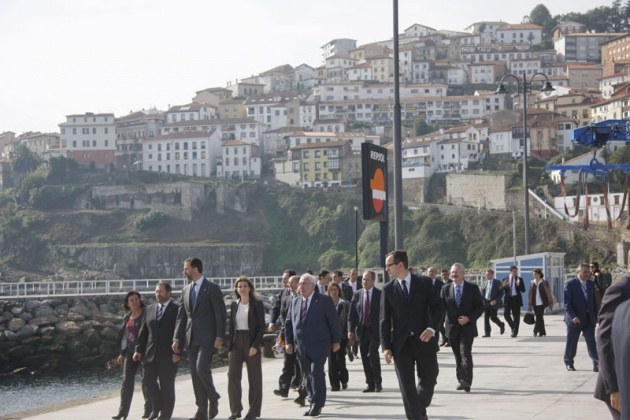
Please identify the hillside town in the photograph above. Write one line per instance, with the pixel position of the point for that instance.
(303, 126)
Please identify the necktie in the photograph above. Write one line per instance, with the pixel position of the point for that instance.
(193, 296)
(405, 290)
(303, 311)
(488, 289)
(513, 291)
(160, 312)
(366, 312)
(458, 295)
(583, 283)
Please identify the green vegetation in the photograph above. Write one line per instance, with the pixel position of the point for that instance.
(152, 219)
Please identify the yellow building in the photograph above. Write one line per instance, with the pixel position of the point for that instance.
(321, 164)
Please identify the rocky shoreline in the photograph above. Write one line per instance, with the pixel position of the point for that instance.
(66, 334)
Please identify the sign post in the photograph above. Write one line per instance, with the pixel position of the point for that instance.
(374, 168)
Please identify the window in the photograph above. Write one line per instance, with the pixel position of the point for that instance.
(306, 154)
(318, 153)
(244, 160)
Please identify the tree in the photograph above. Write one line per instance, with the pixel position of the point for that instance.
(422, 127)
(540, 16)
(619, 156)
(24, 160)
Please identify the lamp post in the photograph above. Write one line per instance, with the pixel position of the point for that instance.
(356, 237)
(525, 87)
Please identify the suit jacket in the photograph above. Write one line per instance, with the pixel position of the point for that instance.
(520, 288)
(204, 323)
(471, 306)
(255, 322)
(496, 293)
(355, 321)
(615, 295)
(284, 310)
(321, 327)
(402, 317)
(576, 305)
(348, 293)
(545, 293)
(155, 339)
(121, 342)
(275, 311)
(621, 344)
(359, 284)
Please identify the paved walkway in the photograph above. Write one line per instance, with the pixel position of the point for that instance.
(517, 378)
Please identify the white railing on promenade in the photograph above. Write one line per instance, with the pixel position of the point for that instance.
(117, 287)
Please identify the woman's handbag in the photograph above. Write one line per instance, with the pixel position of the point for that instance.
(528, 318)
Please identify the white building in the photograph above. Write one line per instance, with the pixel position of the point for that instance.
(486, 30)
(90, 139)
(341, 46)
(239, 160)
(189, 112)
(191, 153)
(521, 32)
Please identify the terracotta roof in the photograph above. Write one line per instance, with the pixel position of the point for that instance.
(213, 121)
(519, 26)
(235, 143)
(183, 135)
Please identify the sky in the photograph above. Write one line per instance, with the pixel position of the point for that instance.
(63, 57)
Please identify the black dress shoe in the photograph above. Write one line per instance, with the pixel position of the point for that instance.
(213, 410)
(314, 411)
(447, 344)
(502, 328)
(571, 368)
(249, 417)
(464, 385)
(369, 389)
(378, 388)
(344, 385)
(486, 335)
(513, 335)
(351, 356)
(235, 416)
(301, 401)
(147, 414)
(199, 416)
(119, 416)
(281, 393)
(596, 368)
(154, 415)
(335, 388)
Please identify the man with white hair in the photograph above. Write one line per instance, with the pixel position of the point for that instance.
(312, 330)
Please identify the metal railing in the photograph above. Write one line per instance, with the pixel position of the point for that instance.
(117, 287)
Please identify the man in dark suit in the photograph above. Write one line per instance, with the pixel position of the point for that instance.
(363, 326)
(286, 291)
(154, 348)
(355, 283)
(347, 291)
(513, 286)
(312, 331)
(606, 387)
(492, 294)
(291, 374)
(581, 316)
(445, 280)
(464, 305)
(410, 316)
(322, 281)
(201, 321)
(621, 344)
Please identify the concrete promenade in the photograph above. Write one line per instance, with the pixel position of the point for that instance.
(516, 378)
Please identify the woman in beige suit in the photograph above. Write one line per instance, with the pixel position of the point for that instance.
(247, 324)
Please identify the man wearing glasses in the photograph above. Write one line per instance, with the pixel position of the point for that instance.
(410, 316)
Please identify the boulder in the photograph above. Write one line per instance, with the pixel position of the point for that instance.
(19, 352)
(104, 316)
(80, 309)
(68, 328)
(78, 350)
(31, 305)
(26, 316)
(16, 310)
(27, 331)
(16, 324)
(44, 310)
(75, 316)
(5, 316)
(54, 302)
(109, 333)
(62, 309)
(44, 320)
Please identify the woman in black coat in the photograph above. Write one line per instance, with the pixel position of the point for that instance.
(127, 342)
(247, 325)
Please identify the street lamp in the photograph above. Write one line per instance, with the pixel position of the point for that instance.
(356, 237)
(525, 87)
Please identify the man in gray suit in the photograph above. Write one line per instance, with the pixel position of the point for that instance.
(201, 323)
(492, 294)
